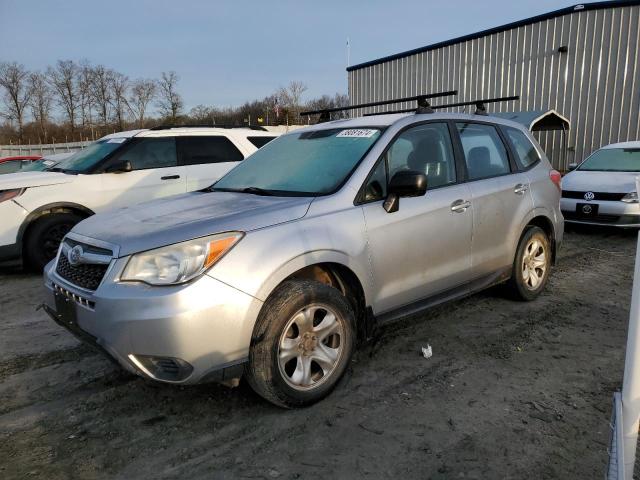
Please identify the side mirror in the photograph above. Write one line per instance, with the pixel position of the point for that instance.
(572, 166)
(406, 183)
(120, 167)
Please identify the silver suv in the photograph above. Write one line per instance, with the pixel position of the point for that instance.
(279, 268)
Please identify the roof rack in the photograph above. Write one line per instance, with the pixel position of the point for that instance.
(423, 105)
(480, 106)
(205, 125)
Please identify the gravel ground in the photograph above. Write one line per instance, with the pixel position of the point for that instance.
(513, 390)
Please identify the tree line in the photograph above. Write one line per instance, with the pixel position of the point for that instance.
(72, 101)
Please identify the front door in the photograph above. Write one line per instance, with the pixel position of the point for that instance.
(423, 248)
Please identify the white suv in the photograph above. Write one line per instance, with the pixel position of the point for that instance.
(38, 208)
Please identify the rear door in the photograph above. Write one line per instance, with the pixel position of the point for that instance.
(155, 174)
(499, 195)
(207, 158)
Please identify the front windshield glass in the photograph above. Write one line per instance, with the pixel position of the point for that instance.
(613, 160)
(305, 163)
(86, 158)
(38, 165)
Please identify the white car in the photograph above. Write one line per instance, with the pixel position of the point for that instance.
(38, 208)
(602, 189)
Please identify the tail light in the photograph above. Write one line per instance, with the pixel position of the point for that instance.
(556, 178)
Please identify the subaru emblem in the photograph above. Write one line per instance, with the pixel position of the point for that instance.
(75, 255)
(589, 196)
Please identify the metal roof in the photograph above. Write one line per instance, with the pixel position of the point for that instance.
(502, 28)
(537, 120)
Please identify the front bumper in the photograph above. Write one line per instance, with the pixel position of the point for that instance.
(205, 324)
(604, 213)
(13, 216)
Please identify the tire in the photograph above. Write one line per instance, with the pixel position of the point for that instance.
(290, 325)
(44, 237)
(531, 266)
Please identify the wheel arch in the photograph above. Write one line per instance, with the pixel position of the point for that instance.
(540, 218)
(50, 208)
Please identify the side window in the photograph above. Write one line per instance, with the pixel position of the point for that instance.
(149, 153)
(526, 153)
(259, 142)
(204, 150)
(426, 149)
(484, 152)
(10, 167)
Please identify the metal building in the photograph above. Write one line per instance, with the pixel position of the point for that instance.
(583, 61)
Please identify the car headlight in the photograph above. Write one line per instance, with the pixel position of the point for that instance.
(631, 197)
(180, 262)
(9, 194)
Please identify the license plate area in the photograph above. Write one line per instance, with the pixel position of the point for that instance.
(587, 210)
(66, 310)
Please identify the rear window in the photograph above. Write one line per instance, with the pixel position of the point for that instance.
(260, 141)
(203, 150)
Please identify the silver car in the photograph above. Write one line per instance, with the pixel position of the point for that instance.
(602, 189)
(279, 268)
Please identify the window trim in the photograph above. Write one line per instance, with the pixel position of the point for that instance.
(514, 151)
(180, 143)
(512, 165)
(359, 198)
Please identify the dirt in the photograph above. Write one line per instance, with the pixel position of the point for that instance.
(513, 390)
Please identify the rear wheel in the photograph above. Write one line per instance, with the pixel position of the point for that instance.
(302, 343)
(44, 237)
(531, 266)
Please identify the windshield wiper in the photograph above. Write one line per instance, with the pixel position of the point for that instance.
(257, 191)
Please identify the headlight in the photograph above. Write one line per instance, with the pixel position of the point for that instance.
(631, 197)
(9, 194)
(181, 262)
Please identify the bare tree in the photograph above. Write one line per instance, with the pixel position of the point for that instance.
(85, 94)
(62, 78)
(14, 79)
(289, 98)
(119, 85)
(170, 102)
(141, 93)
(41, 98)
(101, 92)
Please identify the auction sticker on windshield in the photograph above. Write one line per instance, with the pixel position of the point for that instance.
(357, 133)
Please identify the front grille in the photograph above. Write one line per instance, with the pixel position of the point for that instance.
(599, 218)
(83, 275)
(605, 196)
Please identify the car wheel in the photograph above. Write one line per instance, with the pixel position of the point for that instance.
(44, 237)
(302, 343)
(531, 266)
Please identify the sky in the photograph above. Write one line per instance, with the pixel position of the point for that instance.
(229, 52)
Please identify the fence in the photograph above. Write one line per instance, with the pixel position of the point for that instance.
(45, 149)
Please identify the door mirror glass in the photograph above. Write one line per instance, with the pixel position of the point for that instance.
(120, 167)
(572, 166)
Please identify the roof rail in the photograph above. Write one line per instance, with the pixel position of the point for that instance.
(480, 105)
(205, 125)
(423, 105)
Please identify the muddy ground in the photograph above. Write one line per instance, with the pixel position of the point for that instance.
(513, 390)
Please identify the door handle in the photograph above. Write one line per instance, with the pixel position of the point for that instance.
(460, 206)
(520, 189)
(170, 177)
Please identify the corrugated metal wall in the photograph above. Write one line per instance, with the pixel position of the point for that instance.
(596, 84)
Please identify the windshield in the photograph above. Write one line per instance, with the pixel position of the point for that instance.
(306, 163)
(613, 160)
(38, 165)
(88, 157)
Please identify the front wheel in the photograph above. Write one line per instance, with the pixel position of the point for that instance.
(302, 343)
(44, 237)
(531, 266)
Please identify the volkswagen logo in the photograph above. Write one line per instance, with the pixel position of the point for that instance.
(587, 209)
(75, 255)
(589, 196)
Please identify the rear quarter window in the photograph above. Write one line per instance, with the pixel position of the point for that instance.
(259, 142)
(526, 153)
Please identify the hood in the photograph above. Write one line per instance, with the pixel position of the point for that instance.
(176, 219)
(33, 179)
(612, 182)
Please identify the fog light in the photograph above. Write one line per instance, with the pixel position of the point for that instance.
(162, 368)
